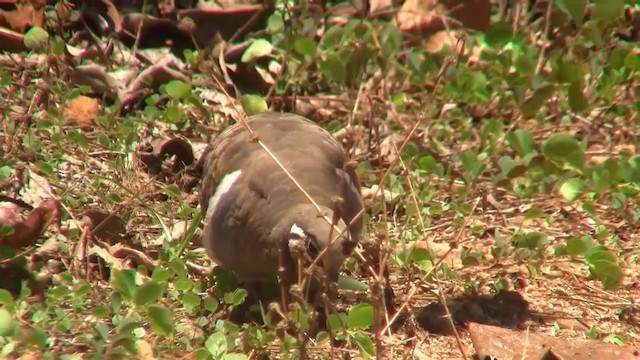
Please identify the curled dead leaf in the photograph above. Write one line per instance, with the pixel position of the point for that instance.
(178, 149)
(473, 14)
(158, 74)
(25, 15)
(433, 21)
(11, 41)
(150, 79)
(234, 22)
(154, 32)
(26, 228)
(203, 156)
(101, 16)
(105, 226)
(96, 77)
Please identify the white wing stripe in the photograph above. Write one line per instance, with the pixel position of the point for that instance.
(223, 187)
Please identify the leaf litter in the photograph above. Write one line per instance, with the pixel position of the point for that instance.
(546, 293)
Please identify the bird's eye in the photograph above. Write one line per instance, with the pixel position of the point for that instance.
(312, 249)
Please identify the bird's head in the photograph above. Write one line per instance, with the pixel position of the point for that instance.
(318, 238)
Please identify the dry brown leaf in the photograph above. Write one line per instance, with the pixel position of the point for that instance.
(145, 351)
(26, 15)
(438, 41)
(177, 148)
(26, 228)
(433, 21)
(379, 5)
(207, 23)
(82, 111)
(473, 14)
(96, 77)
(31, 355)
(152, 77)
(419, 15)
(37, 189)
(108, 258)
(11, 41)
(105, 226)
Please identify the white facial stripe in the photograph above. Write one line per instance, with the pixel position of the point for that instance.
(297, 230)
(223, 187)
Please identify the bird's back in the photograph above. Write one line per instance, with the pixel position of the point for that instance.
(251, 194)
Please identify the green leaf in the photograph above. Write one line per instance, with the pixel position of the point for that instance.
(335, 323)
(356, 63)
(346, 283)
(334, 68)
(45, 168)
(471, 162)
(184, 283)
(216, 344)
(177, 89)
(498, 34)
(275, 24)
(161, 274)
(5, 173)
(360, 316)
(539, 98)
(253, 104)
(210, 304)
(577, 100)
(172, 190)
(573, 189)
(6, 299)
(239, 296)
(533, 240)
(124, 281)
(236, 297)
(428, 163)
(305, 46)
(609, 273)
(598, 253)
(578, 246)
(568, 71)
(365, 343)
(190, 300)
(114, 198)
(234, 356)
(36, 38)
(257, 49)
(148, 292)
(160, 319)
(534, 213)
(39, 337)
(129, 324)
(6, 230)
(574, 8)
(332, 37)
(511, 168)
(607, 10)
(521, 141)
(565, 148)
(6, 322)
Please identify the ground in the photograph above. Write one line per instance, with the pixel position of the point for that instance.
(498, 157)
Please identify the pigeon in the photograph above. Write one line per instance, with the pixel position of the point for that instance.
(255, 213)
